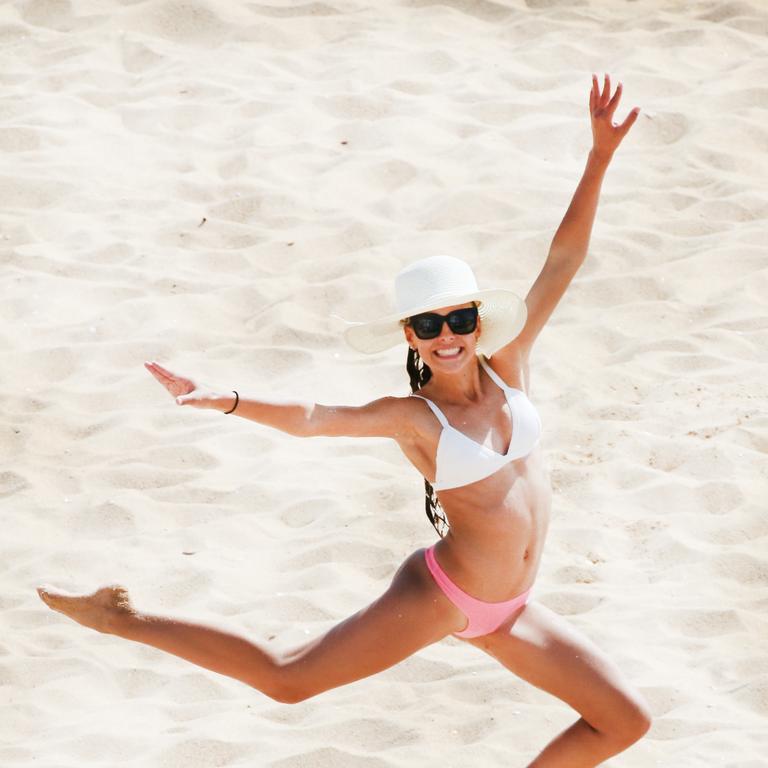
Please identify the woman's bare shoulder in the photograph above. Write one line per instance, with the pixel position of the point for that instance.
(407, 415)
(418, 415)
(511, 363)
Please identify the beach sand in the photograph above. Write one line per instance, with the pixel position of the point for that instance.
(206, 184)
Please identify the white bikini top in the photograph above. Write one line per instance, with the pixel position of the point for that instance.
(461, 461)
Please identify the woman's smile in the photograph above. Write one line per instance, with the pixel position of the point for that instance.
(449, 353)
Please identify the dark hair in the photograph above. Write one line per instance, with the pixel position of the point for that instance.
(420, 374)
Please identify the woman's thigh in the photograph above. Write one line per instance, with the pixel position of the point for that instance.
(542, 648)
(410, 615)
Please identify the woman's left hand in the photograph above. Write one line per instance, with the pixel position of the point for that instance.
(606, 135)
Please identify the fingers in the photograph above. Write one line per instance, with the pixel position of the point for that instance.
(614, 102)
(629, 122)
(606, 134)
(600, 102)
(175, 385)
(164, 380)
(603, 101)
(158, 371)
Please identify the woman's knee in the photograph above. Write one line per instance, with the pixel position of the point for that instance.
(641, 718)
(286, 693)
(290, 683)
(630, 720)
(290, 695)
(278, 683)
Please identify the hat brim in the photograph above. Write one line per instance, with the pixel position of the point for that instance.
(502, 314)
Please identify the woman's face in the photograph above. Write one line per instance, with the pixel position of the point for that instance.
(448, 351)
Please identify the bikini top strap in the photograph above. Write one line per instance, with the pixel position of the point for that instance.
(494, 376)
(440, 415)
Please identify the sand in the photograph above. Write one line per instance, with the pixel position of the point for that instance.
(206, 184)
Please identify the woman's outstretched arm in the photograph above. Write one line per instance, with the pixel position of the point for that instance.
(571, 241)
(572, 237)
(381, 418)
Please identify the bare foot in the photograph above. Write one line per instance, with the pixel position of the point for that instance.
(103, 610)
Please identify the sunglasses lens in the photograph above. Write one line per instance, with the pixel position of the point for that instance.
(463, 321)
(427, 326)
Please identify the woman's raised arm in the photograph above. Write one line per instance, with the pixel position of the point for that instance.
(571, 241)
(385, 417)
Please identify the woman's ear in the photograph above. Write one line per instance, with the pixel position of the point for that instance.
(409, 336)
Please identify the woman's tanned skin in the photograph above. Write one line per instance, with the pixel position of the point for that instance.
(498, 525)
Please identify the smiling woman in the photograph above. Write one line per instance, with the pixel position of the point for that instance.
(446, 283)
(442, 339)
(472, 429)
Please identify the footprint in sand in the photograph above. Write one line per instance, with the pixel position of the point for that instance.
(304, 9)
(664, 128)
(742, 568)
(719, 497)
(480, 9)
(19, 140)
(58, 15)
(705, 623)
(300, 514)
(106, 519)
(664, 698)
(138, 58)
(570, 603)
(181, 21)
(11, 482)
(727, 11)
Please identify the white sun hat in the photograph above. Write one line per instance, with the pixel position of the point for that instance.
(442, 281)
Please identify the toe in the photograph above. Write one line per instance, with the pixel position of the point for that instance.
(44, 592)
(48, 599)
(53, 598)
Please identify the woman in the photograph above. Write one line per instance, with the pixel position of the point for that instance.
(473, 433)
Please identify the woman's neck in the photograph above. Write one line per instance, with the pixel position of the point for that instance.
(462, 386)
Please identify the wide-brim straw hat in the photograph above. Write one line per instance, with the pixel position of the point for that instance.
(442, 281)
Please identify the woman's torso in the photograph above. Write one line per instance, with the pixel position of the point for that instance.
(498, 523)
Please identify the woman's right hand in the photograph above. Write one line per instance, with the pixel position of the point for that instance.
(187, 392)
(606, 135)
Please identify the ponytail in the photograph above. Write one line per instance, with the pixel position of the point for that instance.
(419, 374)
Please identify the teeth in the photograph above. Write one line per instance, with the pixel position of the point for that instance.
(446, 352)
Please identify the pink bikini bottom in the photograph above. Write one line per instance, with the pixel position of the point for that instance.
(482, 618)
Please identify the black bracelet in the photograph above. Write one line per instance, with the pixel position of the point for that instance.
(237, 400)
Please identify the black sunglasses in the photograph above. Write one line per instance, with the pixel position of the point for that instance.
(429, 324)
